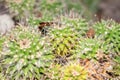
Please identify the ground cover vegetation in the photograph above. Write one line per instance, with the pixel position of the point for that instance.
(56, 40)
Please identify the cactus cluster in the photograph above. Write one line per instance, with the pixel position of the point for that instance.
(63, 41)
(25, 56)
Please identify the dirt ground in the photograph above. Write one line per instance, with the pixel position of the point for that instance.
(109, 9)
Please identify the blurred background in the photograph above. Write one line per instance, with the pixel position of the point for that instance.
(89, 9)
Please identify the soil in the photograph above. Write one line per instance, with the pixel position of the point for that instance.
(109, 9)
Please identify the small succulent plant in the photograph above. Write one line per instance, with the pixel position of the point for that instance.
(89, 47)
(79, 24)
(73, 71)
(112, 38)
(63, 42)
(26, 56)
(110, 32)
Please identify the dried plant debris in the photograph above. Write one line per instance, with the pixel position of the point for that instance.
(100, 69)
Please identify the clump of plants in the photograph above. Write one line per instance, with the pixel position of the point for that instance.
(26, 56)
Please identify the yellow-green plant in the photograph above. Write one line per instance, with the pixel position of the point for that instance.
(63, 41)
(26, 56)
(73, 71)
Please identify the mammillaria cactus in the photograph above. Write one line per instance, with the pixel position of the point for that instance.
(73, 71)
(26, 55)
(63, 43)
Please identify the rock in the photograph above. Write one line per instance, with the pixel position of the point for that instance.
(109, 9)
(6, 23)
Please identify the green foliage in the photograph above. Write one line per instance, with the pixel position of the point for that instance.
(27, 55)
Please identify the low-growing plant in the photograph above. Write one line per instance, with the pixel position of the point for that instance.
(110, 32)
(89, 48)
(73, 71)
(27, 55)
(63, 43)
(76, 22)
(112, 38)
